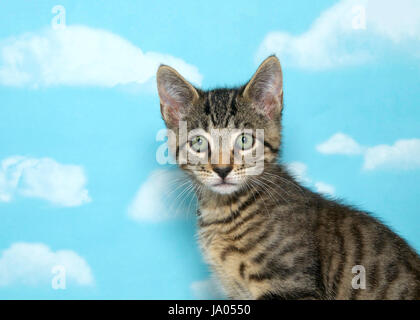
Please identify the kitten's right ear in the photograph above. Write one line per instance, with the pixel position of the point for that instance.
(176, 95)
(265, 89)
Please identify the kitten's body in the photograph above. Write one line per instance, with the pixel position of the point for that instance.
(271, 237)
(294, 244)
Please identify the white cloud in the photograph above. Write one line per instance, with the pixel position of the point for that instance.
(398, 21)
(340, 143)
(337, 37)
(207, 290)
(32, 264)
(324, 188)
(164, 195)
(403, 154)
(79, 55)
(44, 178)
(300, 171)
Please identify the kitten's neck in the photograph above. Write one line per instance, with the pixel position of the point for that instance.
(209, 198)
(275, 186)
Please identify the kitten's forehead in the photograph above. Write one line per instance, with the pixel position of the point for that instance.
(220, 109)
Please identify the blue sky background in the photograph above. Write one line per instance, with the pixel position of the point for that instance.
(124, 247)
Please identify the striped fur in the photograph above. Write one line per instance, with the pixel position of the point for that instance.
(275, 239)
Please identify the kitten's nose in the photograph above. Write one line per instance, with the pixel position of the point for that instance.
(222, 171)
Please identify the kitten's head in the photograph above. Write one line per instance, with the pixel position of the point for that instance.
(216, 135)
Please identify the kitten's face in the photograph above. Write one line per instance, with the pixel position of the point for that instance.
(223, 137)
(222, 157)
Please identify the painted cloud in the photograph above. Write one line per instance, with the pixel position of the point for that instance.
(166, 194)
(60, 184)
(403, 154)
(33, 264)
(300, 171)
(348, 33)
(208, 289)
(79, 55)
(340, 143)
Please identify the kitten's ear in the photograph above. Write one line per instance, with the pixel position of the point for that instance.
(265, 89)
(176, 95)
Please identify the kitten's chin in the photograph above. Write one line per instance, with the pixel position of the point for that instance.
(225, 188)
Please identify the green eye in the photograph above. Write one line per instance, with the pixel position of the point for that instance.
(245, 141)
(199, 144)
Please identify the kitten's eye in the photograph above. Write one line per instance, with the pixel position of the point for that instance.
(199, 144)
(245, 141)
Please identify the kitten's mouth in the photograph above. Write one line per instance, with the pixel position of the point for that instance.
(224, 187)
(223, 184)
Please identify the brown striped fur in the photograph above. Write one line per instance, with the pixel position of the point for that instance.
(273, 238)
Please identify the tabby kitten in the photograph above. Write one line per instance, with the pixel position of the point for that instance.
(264, 235)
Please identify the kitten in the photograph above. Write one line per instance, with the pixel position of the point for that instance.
(264, 235)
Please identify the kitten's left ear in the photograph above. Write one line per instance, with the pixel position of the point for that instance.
(265, 89)
(176, 95)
